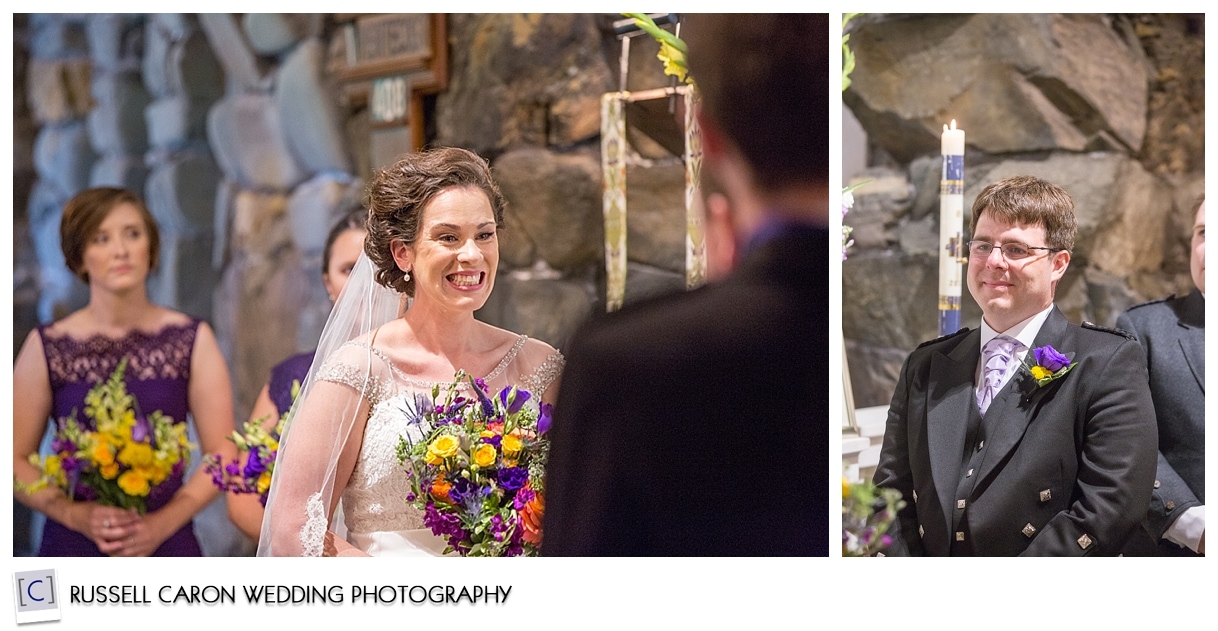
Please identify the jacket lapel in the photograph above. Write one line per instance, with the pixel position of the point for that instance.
(1015, 406)
(949, 399)
(1192, 335)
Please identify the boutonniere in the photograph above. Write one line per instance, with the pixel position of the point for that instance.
(1046, 365)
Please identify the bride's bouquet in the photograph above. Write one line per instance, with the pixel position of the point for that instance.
(257, 447)
(120, 461)
(476, 468)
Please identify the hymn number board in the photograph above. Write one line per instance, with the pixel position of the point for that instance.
(390, 62)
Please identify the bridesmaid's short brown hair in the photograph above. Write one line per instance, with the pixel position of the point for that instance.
(86, 211)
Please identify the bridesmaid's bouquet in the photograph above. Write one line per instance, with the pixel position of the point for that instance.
(122, 459)
(257, 447)
(476, 468)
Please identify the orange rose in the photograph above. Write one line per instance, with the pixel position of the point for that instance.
(530, 519)
(440, 488)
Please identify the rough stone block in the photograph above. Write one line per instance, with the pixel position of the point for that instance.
(181, 195)
(193, 70)
(174, 122)
(127, 172)
(275, 33)
(1013, 82)
(557, 200)
(241, 71)
(247, 135)
(59, 91)
(64, 157)
(523, 80)
(316, 205)
(116, 123)
(309, 112)
(655, 216)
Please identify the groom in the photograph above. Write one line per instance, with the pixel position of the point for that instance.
(1029, 435)
(695, 424)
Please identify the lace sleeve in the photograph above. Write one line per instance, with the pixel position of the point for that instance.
(542, 376)
(357, 378)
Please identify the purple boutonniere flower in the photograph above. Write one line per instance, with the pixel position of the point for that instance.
(1049, 365)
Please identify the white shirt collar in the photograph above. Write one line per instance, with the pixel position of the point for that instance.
(1025, 331)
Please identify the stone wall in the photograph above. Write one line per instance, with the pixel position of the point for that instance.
(1109, 107)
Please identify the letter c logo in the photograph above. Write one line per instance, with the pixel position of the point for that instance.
(29, 590)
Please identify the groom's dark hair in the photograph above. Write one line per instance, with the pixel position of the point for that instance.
(763, 81)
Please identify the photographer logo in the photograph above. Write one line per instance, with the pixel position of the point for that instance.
(37, 596)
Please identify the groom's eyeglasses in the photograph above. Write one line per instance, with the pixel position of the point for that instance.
(1010, 251)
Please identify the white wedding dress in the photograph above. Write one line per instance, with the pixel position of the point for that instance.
(378, 519)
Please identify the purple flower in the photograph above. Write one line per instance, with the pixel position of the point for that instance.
(543, 422)
(513, 478)
(255, 465)
(1050, 359)
(140, 431)
(488, 408)
(523, 497)
(517, 402)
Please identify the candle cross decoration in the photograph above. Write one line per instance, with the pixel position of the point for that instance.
(951, 228)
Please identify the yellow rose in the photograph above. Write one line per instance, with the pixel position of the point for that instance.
(109, 471)
(484, 455)
(432, 459)
(1040, 372)
(53, 466)
(512, 445)
(264, 482)
(102, 454)
(444, 446)
(132, 483)
(135, 454)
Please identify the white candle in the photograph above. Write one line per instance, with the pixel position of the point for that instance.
(951, 229)
(953, 140)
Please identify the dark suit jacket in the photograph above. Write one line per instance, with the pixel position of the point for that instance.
(696, 423)
(1172, 331)
(1056, 462)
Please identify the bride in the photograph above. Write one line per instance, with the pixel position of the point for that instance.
(432, 226)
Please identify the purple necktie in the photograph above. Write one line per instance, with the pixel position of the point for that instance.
(998, 354)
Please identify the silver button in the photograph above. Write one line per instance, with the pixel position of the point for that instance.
(915, 494)
(959, 536)
(1029, 530)
(1046, 495)
(980, 445)
(959, 503)
(921, 533)
(1157, 484)
(1084, 541)
(1170, 505)
(969, 474)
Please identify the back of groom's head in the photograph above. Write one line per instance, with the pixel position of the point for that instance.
(764, 81)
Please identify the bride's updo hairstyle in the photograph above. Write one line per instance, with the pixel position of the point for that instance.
(397, 195)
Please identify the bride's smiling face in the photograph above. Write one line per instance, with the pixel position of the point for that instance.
(454, 259)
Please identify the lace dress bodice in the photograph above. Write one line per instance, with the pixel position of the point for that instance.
(157, 375)
(375, 497)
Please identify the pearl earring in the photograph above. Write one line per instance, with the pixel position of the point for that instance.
(406, 276)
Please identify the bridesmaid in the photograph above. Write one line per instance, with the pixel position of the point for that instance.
(110, 240)
(343, 245)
